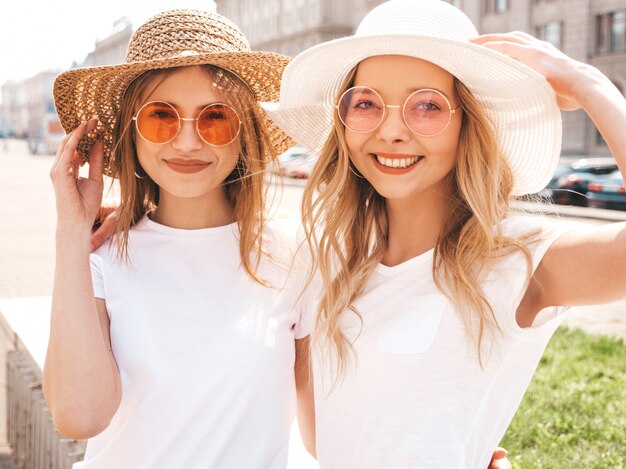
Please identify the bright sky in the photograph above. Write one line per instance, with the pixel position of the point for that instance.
(37, 35)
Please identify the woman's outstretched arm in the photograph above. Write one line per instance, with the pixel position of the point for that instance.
(574, 270)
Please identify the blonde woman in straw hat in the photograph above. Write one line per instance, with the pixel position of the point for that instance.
(180, 351)
(436, 303)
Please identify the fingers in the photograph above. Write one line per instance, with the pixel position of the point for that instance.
(519, 37)
(516, 44)
(96, 162)
(75, 163)
(499, 460)
(499, 453)
(516, 50)
(60, 150)
(68, 143)
(108, 208)
(503, 463)
(65, 159)
(104, 231)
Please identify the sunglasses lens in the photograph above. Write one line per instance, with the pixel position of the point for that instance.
(427, 112)
(361, 109)
(218, 124)
(157, 122)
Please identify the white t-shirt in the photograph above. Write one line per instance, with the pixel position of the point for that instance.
(205, 353)
(416, 395)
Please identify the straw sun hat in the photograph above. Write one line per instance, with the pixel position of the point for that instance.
(173, 38)
(518, 101)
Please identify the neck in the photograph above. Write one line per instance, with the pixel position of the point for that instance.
(414, 226)
(193, 213)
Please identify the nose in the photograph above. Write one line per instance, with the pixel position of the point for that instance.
(187, 139)
(393, 128)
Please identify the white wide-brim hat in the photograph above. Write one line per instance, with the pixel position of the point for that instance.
(517, 100)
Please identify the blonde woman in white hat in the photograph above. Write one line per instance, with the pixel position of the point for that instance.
(436, 302)
(180, 352)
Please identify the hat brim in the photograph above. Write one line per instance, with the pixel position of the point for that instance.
(83, 93)
(518, 101)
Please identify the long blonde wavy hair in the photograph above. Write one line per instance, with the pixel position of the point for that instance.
(245, 186)
(346, 227)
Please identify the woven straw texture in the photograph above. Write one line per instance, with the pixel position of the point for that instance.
(170, 39)
(518, 101)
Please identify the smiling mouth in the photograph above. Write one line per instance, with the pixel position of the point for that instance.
(400, 163)
(187, 166)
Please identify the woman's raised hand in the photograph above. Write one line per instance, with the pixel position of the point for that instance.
(78, 199)
(569, 78)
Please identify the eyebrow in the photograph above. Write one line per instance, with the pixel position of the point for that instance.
(368, 90)
(413, 90)
(177, 106)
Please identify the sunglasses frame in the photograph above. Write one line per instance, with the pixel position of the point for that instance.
(134, 118)
(397, 106)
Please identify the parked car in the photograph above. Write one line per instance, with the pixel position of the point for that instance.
(569, 184)
(297, 162)
(608, 192)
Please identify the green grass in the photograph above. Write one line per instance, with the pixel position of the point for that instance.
(574, 412)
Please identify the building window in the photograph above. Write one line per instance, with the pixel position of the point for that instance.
(610, 33)
(617, 22)
(553, 33)
(600, 33)
(456, 3)
(496, 6)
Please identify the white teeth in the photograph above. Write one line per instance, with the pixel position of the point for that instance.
(397, 162)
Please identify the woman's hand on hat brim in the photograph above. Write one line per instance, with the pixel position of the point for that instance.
(77, 198)
(567, 76)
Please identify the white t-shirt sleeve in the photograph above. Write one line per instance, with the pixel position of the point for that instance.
(513, 269)
(306, 308)
(308, 292)
(95, 262)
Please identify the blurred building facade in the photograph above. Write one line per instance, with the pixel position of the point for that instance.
(290, 26)
(592, 31)
(111, 49)
(27, 109)
(27, 104)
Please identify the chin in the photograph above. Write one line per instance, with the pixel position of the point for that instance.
(395, 192)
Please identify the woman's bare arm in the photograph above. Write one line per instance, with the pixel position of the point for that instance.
(81, 381)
